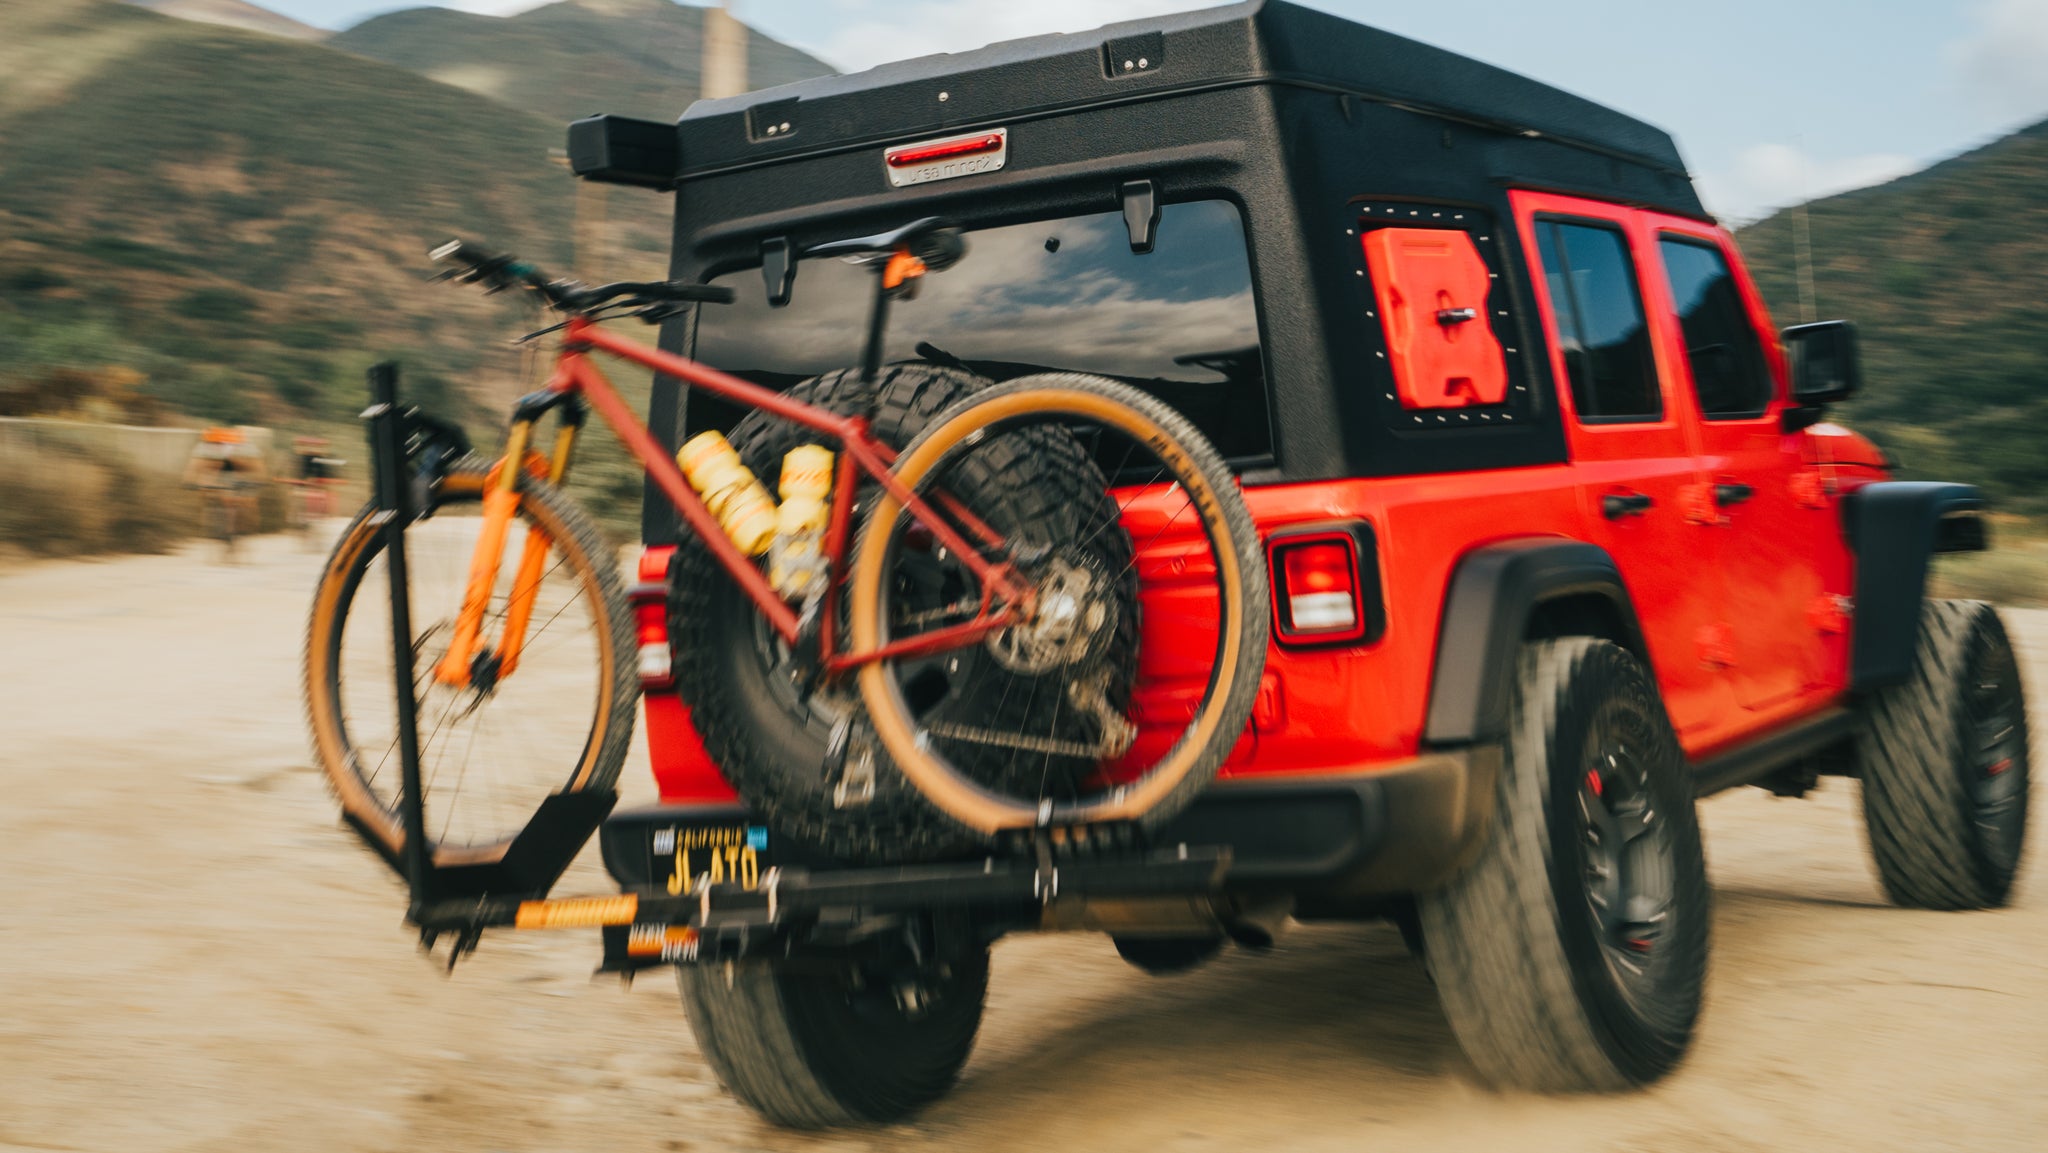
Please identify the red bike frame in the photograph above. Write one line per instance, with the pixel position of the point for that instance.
(1004, 596)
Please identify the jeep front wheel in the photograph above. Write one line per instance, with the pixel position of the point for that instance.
(1944, 762)
(1571, 954)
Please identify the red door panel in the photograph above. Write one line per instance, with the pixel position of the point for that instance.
(1770, 533)
(1656, 545)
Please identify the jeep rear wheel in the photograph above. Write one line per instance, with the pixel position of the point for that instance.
(1162, 955)
(812, 1045)
(1945, 764)
(1571, 954)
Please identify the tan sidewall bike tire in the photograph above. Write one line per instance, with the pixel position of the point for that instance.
(341, 581)
(1192, 761)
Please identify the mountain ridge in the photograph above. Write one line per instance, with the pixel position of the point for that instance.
(1940, 270)
(235, 14)
(574, 57)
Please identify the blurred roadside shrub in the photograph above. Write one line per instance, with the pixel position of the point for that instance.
(57, 500)
(2014, 571)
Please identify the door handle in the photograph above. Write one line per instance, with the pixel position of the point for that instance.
(1616, 505)
(1727, 494)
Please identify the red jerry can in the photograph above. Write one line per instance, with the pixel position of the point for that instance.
(1432, 289)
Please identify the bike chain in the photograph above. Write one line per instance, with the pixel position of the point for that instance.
(1117, 732)
(1019, 741)
(967, 607)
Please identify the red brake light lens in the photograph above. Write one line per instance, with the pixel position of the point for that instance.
(950, 150)
(650, 616)
(1317, 597)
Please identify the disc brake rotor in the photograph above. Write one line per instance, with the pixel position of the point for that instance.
(1076, 614)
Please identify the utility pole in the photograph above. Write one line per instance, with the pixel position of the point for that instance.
(1802, 245)
(724, 70)
(588, 255)
(1802, 258)
(725, 53)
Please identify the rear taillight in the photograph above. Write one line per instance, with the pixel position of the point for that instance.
(650, 618)
(1317, 594)
(656, 669)
(1321, 583)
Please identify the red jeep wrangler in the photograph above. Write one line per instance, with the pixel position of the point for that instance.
(1558, 540)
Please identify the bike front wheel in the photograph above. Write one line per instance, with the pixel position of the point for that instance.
(1086, 728)
(490, 750)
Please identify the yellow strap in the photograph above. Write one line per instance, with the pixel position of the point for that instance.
(577, 912)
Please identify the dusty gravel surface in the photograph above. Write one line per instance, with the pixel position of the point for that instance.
(195, 955)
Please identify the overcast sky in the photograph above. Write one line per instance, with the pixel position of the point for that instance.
(1769, 99)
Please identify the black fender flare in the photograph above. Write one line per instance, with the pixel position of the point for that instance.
(1894, 527)
(1493, 594)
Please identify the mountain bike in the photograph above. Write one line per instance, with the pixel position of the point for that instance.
(977, 642)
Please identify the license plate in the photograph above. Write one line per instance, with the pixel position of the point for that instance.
(684, 856)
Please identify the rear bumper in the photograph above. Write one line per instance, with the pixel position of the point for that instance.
(1340, 837)
(1327, 841)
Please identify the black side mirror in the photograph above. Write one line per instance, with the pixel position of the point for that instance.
(1825, 368)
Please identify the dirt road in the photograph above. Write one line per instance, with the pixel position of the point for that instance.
(195, 955)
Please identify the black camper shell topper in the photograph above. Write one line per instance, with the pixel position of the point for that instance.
(1302, 121)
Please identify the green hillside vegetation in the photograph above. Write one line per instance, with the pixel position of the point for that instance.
(239, 222)
(1941, 271)
(570, 59)
(243, 218)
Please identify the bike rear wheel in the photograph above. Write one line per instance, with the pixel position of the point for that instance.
(1111, 753)
(492, 750)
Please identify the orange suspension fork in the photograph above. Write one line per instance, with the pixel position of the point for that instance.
(533, 556)
(501, 501)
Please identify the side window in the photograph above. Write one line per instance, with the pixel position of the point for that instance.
(1599, 321)
(1728, 369)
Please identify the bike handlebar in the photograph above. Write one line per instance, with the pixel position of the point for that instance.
(499, 272)
(934, 240)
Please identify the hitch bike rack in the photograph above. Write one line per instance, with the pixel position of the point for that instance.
(1041, 876)
(538, 856)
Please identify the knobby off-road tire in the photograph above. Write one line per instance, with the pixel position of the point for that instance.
(812, 1050)
(587, 562)
(770, 740)
(1535, 986)
(1945, 762)
(978, 427)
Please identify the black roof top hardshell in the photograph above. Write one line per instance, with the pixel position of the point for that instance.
(1259, 42)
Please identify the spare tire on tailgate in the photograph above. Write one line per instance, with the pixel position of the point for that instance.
(770, 726)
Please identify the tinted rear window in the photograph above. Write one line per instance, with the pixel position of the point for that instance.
(1062, 295)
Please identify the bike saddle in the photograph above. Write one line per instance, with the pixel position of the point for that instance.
(934, 240)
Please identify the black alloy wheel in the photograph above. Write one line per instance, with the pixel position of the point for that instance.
(1628, 868)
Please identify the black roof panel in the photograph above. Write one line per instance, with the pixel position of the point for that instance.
(1263, 41)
